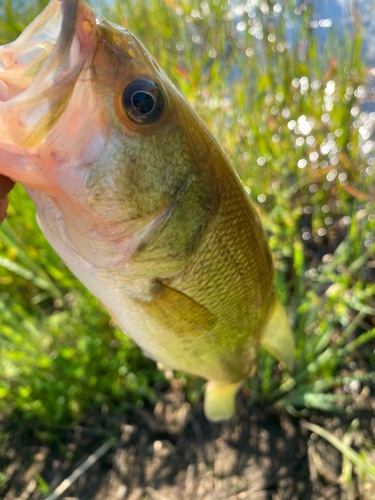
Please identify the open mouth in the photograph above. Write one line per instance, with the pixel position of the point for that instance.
(39, 70)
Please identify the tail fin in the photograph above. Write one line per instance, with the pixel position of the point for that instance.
(220, 400)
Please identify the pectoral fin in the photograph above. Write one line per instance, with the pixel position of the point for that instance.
(178, 312)
(278, 338)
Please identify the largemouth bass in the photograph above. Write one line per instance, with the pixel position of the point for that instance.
(138, 199)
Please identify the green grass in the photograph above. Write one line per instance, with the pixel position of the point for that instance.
(292, 124)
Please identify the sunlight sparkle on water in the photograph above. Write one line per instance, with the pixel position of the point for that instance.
(305, 126)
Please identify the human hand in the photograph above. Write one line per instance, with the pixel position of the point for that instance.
(5, 186)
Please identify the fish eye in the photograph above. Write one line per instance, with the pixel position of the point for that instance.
(143, 101)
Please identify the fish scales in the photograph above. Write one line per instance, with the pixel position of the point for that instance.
(138, 199)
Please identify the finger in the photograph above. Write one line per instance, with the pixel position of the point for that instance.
(5, 186)
(3, 208)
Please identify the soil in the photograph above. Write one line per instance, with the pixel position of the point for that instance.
(171, 452)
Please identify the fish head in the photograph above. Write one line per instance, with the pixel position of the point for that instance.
(89, 119)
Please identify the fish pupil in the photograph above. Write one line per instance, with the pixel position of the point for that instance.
(143, 102)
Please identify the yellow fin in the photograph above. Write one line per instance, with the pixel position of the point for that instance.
(220, 400)
(178, 312)
(162, 367)
(278, 338)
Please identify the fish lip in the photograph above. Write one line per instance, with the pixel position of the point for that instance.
(29, 116)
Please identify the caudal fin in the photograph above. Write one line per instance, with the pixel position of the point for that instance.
(220, 400)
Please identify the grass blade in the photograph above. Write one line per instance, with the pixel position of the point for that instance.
(348, 452)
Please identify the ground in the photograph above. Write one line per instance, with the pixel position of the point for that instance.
(171, 452)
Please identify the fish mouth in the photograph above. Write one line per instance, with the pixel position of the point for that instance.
(39, 70)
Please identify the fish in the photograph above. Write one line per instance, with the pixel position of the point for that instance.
(139, 200)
